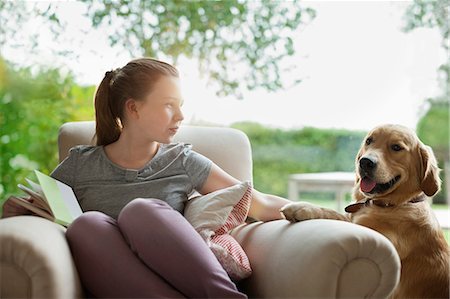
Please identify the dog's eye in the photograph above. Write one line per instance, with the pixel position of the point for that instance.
(369, 140)
(396, 147)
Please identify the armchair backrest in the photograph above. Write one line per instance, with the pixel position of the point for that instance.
(227, 147)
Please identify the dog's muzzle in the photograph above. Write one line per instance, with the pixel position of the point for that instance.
(367, 165)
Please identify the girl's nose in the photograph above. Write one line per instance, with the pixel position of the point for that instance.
(179, 116)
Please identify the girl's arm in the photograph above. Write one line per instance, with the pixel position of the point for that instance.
(264, 207)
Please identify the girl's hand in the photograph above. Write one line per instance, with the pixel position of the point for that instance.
(10, 209)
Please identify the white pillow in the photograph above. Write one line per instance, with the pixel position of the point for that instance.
(213, 215)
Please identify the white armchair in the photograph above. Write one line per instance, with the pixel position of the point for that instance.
(311, 259)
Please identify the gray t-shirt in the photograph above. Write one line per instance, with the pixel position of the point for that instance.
(173, 174)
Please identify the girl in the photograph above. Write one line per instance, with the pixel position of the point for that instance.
(128, 245)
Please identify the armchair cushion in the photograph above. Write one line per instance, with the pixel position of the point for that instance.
(35, 260)
(317, 259)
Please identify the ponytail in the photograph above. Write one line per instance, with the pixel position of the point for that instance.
(108, 126)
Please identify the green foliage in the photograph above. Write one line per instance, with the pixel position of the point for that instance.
(433, 127)
(233, 40)
(278, 153)
(434, 130)
(239, 44)
(34, 104)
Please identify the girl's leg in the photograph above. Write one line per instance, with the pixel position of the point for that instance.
(170, 246)
(107, 266)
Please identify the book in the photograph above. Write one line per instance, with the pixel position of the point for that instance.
(50, 199)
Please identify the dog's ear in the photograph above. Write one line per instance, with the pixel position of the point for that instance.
(429, 175)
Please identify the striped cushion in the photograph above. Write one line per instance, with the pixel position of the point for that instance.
(227, 250)
(231, 256)
(214, 215)
(238, 214)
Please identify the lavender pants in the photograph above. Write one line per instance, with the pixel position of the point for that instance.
(151, 251)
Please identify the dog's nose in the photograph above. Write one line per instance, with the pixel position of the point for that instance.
(367, 164)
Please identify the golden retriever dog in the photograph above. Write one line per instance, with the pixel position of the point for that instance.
(395, 175)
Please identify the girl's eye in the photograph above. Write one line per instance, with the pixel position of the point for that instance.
(369, 140)
(396, 147)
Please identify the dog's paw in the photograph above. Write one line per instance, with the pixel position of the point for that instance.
(299, 211)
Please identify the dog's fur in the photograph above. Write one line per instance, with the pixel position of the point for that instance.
(405, 171)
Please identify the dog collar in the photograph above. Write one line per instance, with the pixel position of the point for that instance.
(353, 208)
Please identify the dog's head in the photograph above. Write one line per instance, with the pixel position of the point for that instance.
(392, 162)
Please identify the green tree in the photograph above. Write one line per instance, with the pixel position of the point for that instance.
(434, 126)
(239, 44)
(434, 130)
(33, 105)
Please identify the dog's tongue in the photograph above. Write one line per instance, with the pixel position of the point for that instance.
(367, 185)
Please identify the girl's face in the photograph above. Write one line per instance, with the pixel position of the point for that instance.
(158, 116)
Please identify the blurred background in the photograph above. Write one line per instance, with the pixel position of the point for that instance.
(304, 79)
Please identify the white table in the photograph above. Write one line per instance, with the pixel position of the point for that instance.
(339, 183)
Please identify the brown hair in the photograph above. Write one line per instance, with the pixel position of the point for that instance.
(135, 80)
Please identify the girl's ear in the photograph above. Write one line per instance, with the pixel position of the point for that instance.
(430, 181)
(131, 108)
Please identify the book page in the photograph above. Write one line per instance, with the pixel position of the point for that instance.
(35, 187)
(61, 199)
(39, 198)
(69, 198)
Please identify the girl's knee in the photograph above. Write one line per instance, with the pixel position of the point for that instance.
(142, 206)
(88, 224)
(144, 203)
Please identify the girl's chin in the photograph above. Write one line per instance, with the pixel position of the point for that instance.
(166, 140)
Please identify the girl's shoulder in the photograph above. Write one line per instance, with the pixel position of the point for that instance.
(175, 149)
(85, 151)
(181, 151)
(176, 146)
(68, 171)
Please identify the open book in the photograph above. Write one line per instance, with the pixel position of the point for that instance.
(51, 199)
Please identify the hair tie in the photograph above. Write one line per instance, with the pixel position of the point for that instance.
(112, 75)
(109, 73)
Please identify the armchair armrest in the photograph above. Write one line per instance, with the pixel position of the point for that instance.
(317, 259)
(35, 260)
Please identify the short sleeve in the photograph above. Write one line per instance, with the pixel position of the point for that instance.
(197, 167)
(65, 171)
